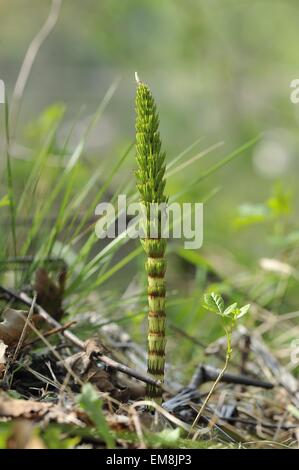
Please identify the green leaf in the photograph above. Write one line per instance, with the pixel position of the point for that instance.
(214, 302)
(55, 438)
(168, 436)
(194, 258)
(230, 309)
(4, 201)
(5, 432)
(243, 311)
(38, 129)
(249, 214)
(228, 322)
(280, 203)
(90, 402)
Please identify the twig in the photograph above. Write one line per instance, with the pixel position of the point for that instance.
(51, 332)
(29, 59)
(38, 375)
(22, 337)
(210, 394)
(138, 427)
(206, 373)
(163, 412)
(26, 300)
(55, 353)
(248, 422)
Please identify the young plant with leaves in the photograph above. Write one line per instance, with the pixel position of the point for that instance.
(215, 303)
(150, 177)
(229, 316)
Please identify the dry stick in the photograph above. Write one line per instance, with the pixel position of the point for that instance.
(26, 300)
(27, 321)
(29, 59)
(51, 332)
(209, 395)
(205, 373)
(55, 353)
(138, 427)
(209, 373)
(41, 377)
(178, 422)
(64, 387)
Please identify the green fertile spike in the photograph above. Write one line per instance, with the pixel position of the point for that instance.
(150, 176)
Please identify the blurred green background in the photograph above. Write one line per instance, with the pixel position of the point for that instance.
(218, 68)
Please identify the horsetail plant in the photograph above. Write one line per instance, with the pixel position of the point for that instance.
(150, 176)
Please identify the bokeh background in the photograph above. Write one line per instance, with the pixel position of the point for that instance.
(219, 69)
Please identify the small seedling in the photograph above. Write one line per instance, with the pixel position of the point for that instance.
(229, 316)
(215, 303)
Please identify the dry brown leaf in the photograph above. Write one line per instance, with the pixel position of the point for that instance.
(88, 372)
(3, 348)
(92, 346)
(119, 423)
(23, 437)
(30, 409)
(83, 366)
(12, 408)
(50, 292)
(12, 325)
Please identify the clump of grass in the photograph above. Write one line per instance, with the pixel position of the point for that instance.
(150, 177)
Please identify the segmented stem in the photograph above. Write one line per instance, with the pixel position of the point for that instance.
(150, 177)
